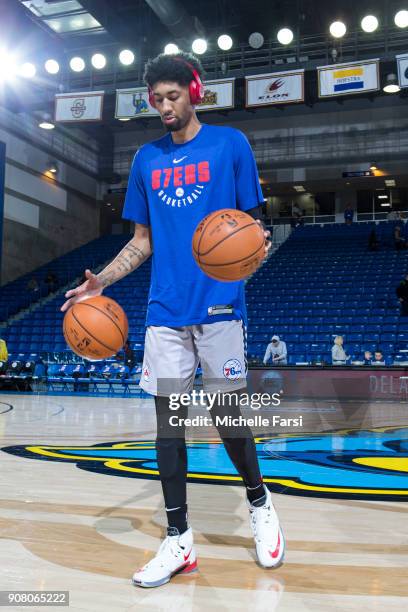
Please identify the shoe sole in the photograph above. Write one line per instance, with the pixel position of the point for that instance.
(187, 569)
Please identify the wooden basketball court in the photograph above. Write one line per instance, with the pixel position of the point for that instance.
(80, 510)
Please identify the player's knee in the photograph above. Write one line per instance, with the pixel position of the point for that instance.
(168, 451)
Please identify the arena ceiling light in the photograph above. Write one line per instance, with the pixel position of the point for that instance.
(77, 64)
(199, 46)
(256, 40)
(369, 23)
(52, 66)
(46, 124)
(299, 188)
(52, 167)
(224, 42)
(401, 19)
(8, 67)
(391, 84)
(98, 61)
(126, 57)
(27, 70)
(338, 29)
(373, 167)
(171, 48)
(285, 36)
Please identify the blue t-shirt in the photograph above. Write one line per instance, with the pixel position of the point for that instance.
(172, 187)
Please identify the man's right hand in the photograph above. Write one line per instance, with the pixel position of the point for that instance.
(91, 287)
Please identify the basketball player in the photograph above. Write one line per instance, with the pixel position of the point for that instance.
(174, 183)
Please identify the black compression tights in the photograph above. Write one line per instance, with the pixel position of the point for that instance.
(172, 452)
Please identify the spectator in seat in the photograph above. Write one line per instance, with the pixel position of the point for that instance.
(277, 349)
(339, 356)
(399, 240)
(402, 294)
(297, 215)
(3, 350)
(51, 281)
(378, 358)
(373, 242)
(33, 285)
(368, 357)
(348, 214)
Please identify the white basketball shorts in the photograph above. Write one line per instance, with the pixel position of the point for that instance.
(172, 355)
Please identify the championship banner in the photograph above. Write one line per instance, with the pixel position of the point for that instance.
(133, 104)
(218, 94)
(79, 106)
(346, 79)
(276, 88)
(402, 62)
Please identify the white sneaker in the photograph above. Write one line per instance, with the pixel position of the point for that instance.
(268, 535)
(176, 555)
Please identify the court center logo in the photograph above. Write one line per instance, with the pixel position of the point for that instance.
(352, 464)
(232, 369)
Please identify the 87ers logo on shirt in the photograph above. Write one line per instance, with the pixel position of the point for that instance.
(182, 184)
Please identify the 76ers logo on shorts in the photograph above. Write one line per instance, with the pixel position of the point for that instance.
(232, 369)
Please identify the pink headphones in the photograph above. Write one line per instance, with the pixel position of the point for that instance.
(196, 87)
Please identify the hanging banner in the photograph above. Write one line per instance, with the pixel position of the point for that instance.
(133, 104)
(346, 79)
(276, 88)
(402, 62)
(79, 106)
(218, 94)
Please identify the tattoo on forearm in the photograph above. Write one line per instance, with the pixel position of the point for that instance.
(124, 262)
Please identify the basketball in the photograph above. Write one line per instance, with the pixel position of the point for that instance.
(228, 245)
(96, 328)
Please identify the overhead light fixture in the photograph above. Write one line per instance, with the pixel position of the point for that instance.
(256, 40)
(126, 57)
(52, 66)
(27, 70)
(98, 61)
(382, 197)
(299, 188)
(124, 118)
(391, 84)
(46, 125)
(8, 67)
(401, 19)
(338, 29)
(384, 204)
(171, 49)
(52, 167)
(199, 46)
(390, 182)
(77, 64)
(224, 42)
(373, 167)
(108, 204)
(369, 23)
(285, 36)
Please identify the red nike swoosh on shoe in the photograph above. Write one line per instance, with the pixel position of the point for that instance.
(275, 553)
(187, 556)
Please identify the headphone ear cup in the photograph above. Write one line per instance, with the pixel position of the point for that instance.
(193, 92)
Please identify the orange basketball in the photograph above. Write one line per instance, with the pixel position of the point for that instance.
(228, 245)
(96, 328)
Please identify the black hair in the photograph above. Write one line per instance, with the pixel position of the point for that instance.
(168, 68)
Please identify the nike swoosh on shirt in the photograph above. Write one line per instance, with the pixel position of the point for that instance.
(176, 161)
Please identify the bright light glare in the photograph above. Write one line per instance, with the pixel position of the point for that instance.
(338, 29)
(369, 23)
(52, 66)
(8, 67)
(98, 61)
(77, 64)
(224, 42)
(126, 57)
(199, 46)
(401, 19)
(285, 36)
(170, 49)
(27, 70)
